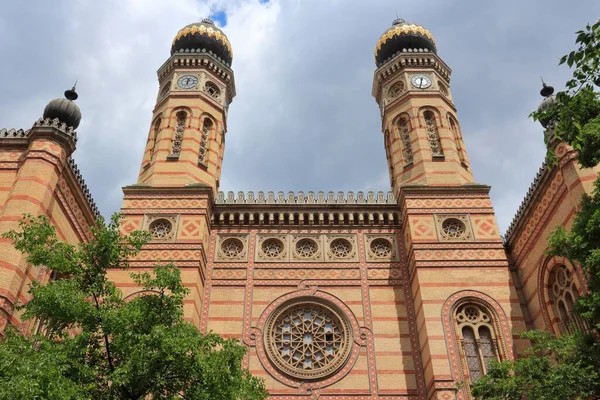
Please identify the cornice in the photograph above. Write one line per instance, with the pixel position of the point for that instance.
(197, 59)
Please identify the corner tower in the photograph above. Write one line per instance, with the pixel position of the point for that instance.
(187, 134)
(422, 136)
(181, 168)
(454, 257)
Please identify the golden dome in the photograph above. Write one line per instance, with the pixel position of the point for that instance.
(203, 36)
(400, 37)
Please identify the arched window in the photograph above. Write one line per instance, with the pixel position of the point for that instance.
(154, 138)
(457, 139)
(203, 152)
(406, 145)
(178, 137)
(432, 134)
(443, 89)
(396, 90)
(478, 339)
(563, 294)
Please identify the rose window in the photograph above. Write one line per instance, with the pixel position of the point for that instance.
(232, 247)
(381, 248)
(308, 339)
(453, 228)
(272, 248)
(306, 248)
(341, 248)
(212, 90)
(161, 229)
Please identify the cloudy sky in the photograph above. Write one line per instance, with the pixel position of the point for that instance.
(303, 118)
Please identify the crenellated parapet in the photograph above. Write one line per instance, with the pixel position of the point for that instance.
(308, 198)
(298, 209)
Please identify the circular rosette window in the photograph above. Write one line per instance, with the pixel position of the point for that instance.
(308, 338)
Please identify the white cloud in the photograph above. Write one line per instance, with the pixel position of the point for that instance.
(303, 118)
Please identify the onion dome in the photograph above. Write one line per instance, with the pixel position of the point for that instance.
(402, 37)
(203, 36)
(549, 100)
(64, 109)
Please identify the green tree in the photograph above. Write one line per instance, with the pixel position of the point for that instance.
(97, 346)
(567, 367)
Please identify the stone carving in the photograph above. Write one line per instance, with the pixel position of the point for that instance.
(381, 247)
(406, 145)
(203, 151)
(163, 228)
(178, 138)
(272, 248)
(454, 227)
(231, 248)
(306, 248)
(433, 134)
(308, 338)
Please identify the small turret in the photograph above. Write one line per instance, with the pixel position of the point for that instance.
(65, 109)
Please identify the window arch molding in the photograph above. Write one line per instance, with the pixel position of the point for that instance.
(404, 131)
(551, 318)
(439, 120)
(499, 322)
(189, 115)
(153, 137)
(207, 126)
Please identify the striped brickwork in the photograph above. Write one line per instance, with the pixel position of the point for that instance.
(552, 201)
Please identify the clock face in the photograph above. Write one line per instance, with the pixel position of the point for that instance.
(187, 81)
(421, 81)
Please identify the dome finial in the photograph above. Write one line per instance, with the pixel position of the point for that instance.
(398, 21)
(546, 90)
(207, 20)
(72, 94)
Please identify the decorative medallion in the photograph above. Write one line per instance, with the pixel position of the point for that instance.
(454, 228)
(161, 227)
(396, 90)
(272, 248)
(341, 248)
(232, 248)
(308, 338)
(380, 248)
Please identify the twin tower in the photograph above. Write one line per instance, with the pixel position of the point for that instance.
(422, 136)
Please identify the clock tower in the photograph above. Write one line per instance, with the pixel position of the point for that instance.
(179, 177)
(423, 142)
(451, 241)
(187, 134)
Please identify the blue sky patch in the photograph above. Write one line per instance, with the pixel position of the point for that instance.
(220, 17)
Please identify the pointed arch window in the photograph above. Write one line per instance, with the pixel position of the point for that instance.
(178, 137)
(155, 132)
(457, 139)
(564, 293)
(478, 339)
(404, 129)
(204, 135)
(432, 134)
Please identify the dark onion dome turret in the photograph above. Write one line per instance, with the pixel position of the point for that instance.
(401, 37)
(204, 36)
(549, 100)
(64, 109)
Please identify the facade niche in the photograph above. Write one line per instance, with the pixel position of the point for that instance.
(564, 294)
(154, 139)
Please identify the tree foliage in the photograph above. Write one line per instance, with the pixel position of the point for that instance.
(95, 345)
(567, 367)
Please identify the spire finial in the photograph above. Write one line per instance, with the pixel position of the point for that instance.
(546, 90)
(71, 94)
